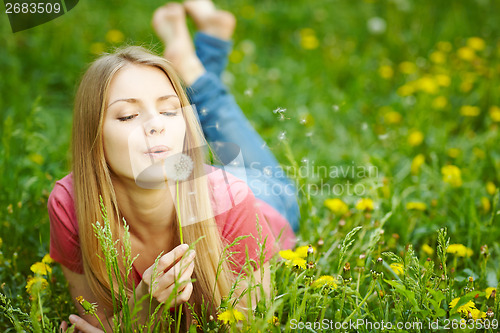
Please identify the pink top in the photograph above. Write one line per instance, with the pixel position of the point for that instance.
(234, 206)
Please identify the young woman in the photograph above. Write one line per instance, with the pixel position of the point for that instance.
(132, 116)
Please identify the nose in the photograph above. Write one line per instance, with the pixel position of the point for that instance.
(154, 126)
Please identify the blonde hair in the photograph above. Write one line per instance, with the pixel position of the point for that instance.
(92, 178)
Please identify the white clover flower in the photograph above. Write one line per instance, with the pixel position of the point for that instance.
(178, 167)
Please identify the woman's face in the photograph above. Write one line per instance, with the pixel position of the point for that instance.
(143, 123)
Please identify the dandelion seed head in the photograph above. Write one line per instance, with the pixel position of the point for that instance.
(178, 167)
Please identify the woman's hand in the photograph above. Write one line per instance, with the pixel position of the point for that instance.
(168, 269)
(79, 325)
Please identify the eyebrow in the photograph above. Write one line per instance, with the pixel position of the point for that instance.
(135, 100)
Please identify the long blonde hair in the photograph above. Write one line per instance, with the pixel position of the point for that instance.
(92, 178)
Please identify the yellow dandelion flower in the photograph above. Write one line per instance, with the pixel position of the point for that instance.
(453, 152)
(427, 250)
(288, 254)
(464, 309)
(364, 204)
(416, 163)
(37, 280)
(230, 316)
(393, 117)
(490, 188)
(114, 36)
(415, 138)
(439, 102)
(325, 281)
(337, 206)
(495, 113)
(443, 80)
(36, 158)
(308, 39)
(479, 153)
(466, 53)
(489, 291)
(301, 251)
(236, 56)
(427, 84)
(41, 268)
(97, 48)
(297, 262)
(452, 175)
(47, 259)
(1, 241)
(405, 90)
(274, 321)
(438, 57)
(397, 268)
(444, 46)
(470, 111)
(416, 205)
(386, 72)
(485, 204)
(477, 314)
(460, 250)
(407, 67)
(476, 43)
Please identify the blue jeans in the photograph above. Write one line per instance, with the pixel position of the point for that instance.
(223, 121)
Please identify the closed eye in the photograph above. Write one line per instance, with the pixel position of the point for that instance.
(127, 117)
(169, 113)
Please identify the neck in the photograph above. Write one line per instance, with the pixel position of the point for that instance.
(148, 212)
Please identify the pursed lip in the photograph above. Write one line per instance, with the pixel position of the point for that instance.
(158, 151)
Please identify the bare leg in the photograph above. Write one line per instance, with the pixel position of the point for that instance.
(169, 23)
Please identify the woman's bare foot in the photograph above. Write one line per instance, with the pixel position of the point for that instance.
(208, 19)
(169, 22)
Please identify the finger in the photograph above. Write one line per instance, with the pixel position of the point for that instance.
(166, 261)
(176, 272)
(83, 326)
(63, 327)
(182, 283)
(184, 296)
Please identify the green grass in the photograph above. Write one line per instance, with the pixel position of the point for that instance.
(337, 88)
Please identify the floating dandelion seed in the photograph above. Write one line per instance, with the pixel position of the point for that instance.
(335, 108)
(203, 112)
(282, 136)
(305, 160)
(268, 172)
(376, 25)
(248, 92)
(279, 110)
(178, 167)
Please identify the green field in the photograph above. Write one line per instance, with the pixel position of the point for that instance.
(396, 100)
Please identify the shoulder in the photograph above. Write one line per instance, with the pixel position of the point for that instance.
(62, 193)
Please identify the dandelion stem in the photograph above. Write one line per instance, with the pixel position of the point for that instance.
(182, 241)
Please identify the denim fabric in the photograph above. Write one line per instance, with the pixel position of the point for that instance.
(223, 121)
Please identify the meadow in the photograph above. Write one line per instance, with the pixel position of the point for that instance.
(384, 112)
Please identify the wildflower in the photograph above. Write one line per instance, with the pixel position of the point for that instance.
(302, 251)
(443, 80)
(453, 152)
(115, 36)
(452, 175)
(417, 163)
(297, 263)
(274, 321)
(1, 241)
(470, 111)
(47, 259)
(464, 309)
(476, 43)
(466, 53)
(495, 113)
(325, 281)
(397, 268)
(479, 152)
(460, 250)
(36, 158)
(476, 314)
(41, 268)
(9, 209)
(337, 206)
(427, 249)
(90, 308)
(288, 254)
(37, 280)
(178, 167)
(438, 57)
(386, 72)
(485, 204)
(427, 84)
(393, 117)
(346, 273)
(444, 46)
(405, 90)
(230, 316)
(364, 204)
(308, 39)
(97, 48)
(416, 205)
(491, 188)
(489, 291)
(415, 138)
(407, 67)
(376, 25)
(236, 56)
(439, 102)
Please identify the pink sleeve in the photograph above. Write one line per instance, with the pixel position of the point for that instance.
(64, 240)
(242, 220)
